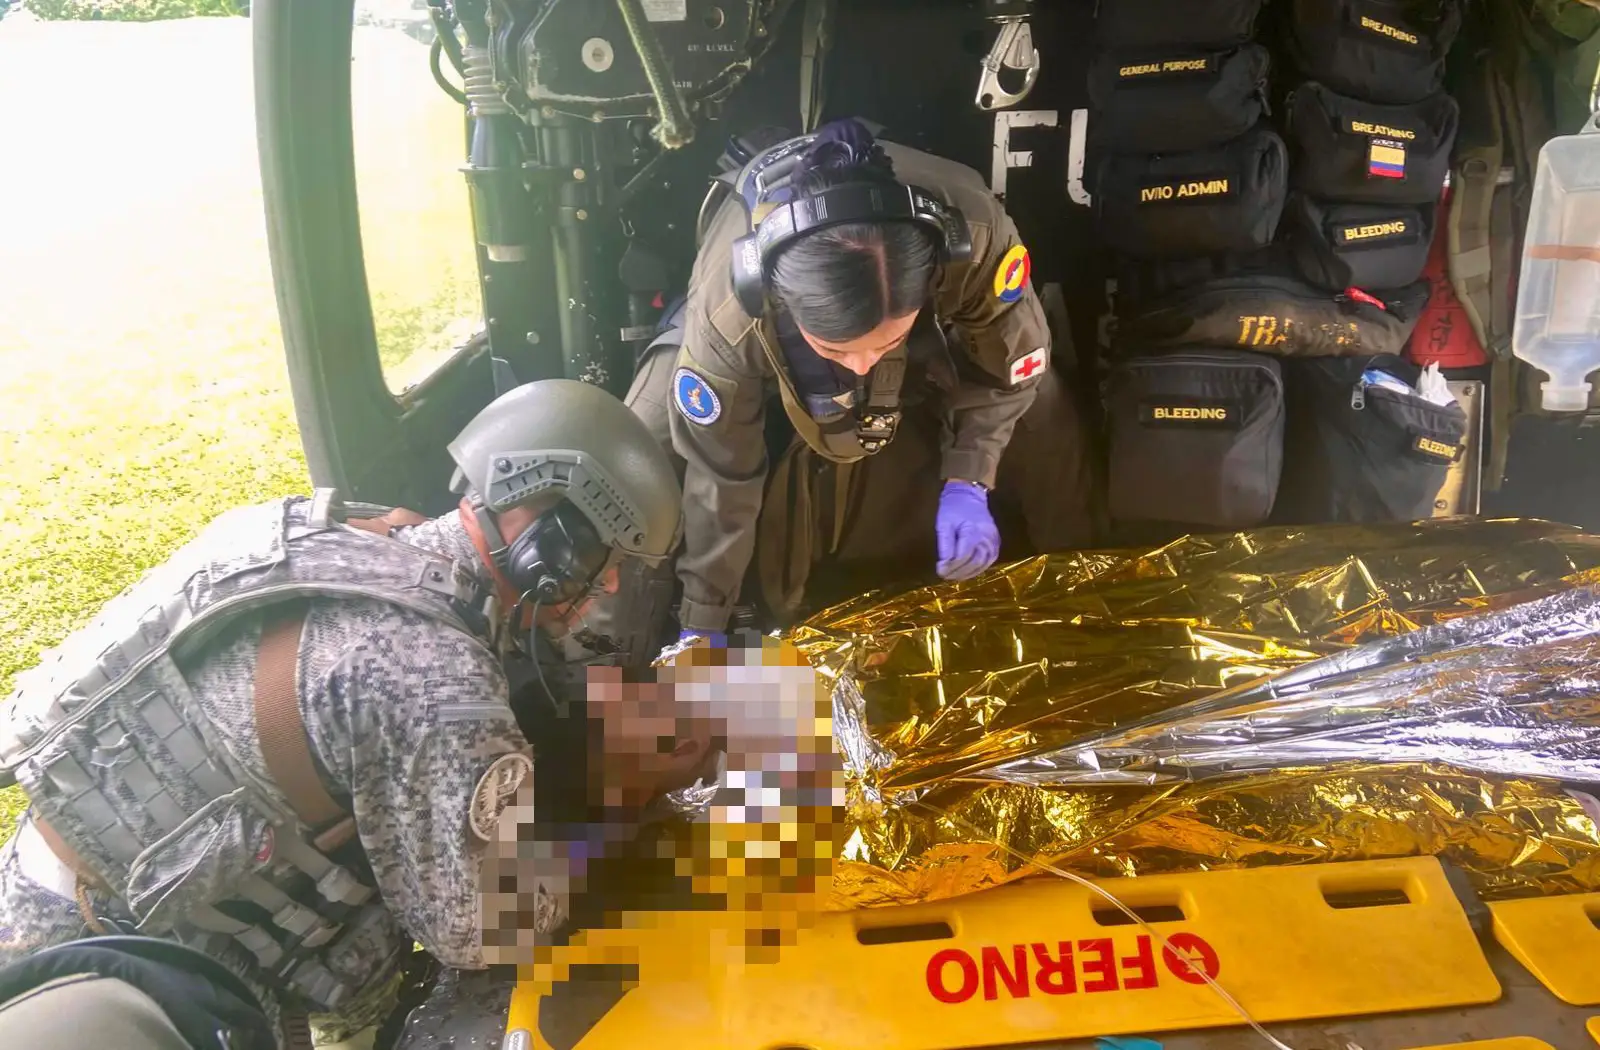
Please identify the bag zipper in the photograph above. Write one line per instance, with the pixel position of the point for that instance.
(1194, 359)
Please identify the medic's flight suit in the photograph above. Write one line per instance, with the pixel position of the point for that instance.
(958, 401)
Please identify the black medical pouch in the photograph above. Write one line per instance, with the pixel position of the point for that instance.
(1388, 51)
(1142, 283)
(1149, 25)
(1357, 453)
(1171, 205)
(1348, 150)
(1171, 100)
(1367, 246)
(1195, 438)
(1276, 315)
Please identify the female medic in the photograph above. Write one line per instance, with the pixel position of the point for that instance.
(881, 296)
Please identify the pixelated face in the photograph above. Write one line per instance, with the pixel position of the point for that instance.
(763, 849)
(648, 744)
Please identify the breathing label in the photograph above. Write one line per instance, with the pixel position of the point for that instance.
(1382, 131)
(1388, 32)
(1189, 190)
(1373, 232)
(1386, 159)
(666, 10)
(1171, 67)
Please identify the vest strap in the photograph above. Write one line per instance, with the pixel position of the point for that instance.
(282, 733)
(297, 1032)
(67, 855)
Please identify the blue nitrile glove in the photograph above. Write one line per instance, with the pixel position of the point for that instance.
(716, 639)
(969, 540)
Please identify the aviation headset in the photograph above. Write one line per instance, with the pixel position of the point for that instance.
(765, 182)
(556, 560)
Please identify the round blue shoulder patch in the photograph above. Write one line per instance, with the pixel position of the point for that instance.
(695, 398)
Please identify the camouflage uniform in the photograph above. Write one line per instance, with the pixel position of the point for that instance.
(403, 714)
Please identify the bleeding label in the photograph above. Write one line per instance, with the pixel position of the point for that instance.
(1366, 233)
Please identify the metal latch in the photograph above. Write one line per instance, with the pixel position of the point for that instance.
(1013, 50)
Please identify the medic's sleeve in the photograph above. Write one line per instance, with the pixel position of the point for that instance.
(1005, 343)
(718, 426)
(421, 713)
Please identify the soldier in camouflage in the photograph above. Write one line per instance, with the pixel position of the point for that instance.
(307, 842)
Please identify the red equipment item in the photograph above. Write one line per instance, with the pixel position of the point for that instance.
(1444, 334)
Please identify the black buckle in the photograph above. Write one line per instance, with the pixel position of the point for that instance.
(877, 429)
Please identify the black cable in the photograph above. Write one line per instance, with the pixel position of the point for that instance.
(444, 26)
(438, 72)
(560, 708)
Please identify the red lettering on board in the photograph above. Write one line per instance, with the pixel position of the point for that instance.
(1185, 951)
(1142, 964)
(1103, 964)
(1015, 980)
(969, 976)
(1091, 965)
(1055, 976)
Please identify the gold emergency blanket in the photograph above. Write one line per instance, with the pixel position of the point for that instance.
(1275, 696)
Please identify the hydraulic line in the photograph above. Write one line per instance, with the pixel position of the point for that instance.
(674, 129)
(500, 205)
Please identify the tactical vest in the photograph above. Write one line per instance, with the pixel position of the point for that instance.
(124, 766)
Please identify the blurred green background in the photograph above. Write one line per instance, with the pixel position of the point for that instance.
(142, 382)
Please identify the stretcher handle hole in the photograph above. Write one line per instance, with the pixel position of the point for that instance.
(1593, 911)
(1365, 897)
(1106, 915)
(908, 933)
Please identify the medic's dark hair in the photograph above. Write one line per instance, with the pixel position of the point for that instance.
(841, 282)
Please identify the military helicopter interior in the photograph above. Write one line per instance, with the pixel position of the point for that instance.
(584, 200)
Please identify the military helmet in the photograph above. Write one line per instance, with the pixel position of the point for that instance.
(558, 438)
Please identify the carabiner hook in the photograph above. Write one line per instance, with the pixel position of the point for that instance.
(1012, 50)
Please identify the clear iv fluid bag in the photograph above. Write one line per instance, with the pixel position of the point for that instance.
(1557, 328)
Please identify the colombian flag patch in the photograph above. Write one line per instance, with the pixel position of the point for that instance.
(1011, 277)
(1386, 160)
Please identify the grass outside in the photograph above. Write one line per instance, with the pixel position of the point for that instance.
(143, 389)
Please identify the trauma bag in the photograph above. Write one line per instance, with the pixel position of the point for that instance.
(1347, 149)
(1134, 25)
(1195, 438)
(1358, 452)
(1173, 100)
(1171, 205)
(1381, 50)
(1366, 246)
(1276, 315)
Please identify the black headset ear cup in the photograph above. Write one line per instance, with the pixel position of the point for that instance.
(558, 557)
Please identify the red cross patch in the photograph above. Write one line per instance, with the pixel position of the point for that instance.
(1028, 366)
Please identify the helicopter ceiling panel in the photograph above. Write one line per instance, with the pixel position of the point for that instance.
(577, 54)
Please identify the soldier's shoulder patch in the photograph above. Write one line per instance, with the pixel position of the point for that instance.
(695, 398)
(495, 791)
(1011, 276)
